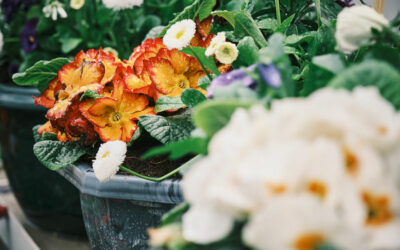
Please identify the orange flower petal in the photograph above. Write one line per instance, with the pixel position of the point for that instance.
(47, 128)
(134, 83)
(180, 61)
(75, 77)
(162, 74)
(109, 133)
(128, 128)
(48, 97)
(102, 106)
(132, 103)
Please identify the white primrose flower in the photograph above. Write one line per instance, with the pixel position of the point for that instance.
(122, 4)
(108, 159)
(54, 10)
(219, 38)
(165, 235)
(299, 222)
(180, 34)
(353, 27)
(226, 52)
(1, 42)
(76, 4)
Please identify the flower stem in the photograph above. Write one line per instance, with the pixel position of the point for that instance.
(198, 59)
(151, 178)
(278, 12)
(318, 7)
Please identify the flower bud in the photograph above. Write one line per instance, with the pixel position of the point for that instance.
(353, 27)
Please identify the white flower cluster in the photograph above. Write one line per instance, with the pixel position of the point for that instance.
(122, 4)
(108, 159)
(321, 171)
(225, 52)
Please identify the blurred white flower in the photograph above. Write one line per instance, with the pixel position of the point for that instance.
(76, 4)
(54, 10)
(169, 234)
(226, 52)
(299, 222)
(1, 41)
(219, 38)
(108, 159)
(122, 4)
(353, 27)
(180, 34)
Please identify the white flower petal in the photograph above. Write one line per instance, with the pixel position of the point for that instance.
(219, 38)
(122, 4)
(226, 52)
(108, 159)
(180, 34)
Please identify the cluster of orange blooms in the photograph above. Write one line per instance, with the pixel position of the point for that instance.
(128, 89)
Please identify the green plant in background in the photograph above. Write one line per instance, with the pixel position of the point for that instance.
(36, 30)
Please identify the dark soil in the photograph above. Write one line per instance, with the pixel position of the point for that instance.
(156, 166)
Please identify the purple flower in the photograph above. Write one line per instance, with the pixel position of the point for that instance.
(28, 35)
(230, 77)
(10, 7)
(270, 75)
(345, 3)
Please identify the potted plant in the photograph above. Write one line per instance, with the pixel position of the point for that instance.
(312, 167)
(41, 30)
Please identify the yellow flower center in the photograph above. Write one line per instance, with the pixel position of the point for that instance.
(309, 241)
(317, 188)
(352, 164)
(31, 39)
(226, 51)
(105, 155)
(180, 34)
(378, 209)
(276, 188)
(382, 130)
(183, 82)
(116, 117)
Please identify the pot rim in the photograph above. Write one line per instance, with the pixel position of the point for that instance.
(124, 187)
(19, 97)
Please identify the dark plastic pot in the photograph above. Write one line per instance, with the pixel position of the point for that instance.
(47, 199)
(118, 213)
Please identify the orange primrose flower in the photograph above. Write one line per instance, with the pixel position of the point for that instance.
(47, 98)
(115, 118)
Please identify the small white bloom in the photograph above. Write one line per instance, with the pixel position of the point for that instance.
(1, 42)
(122, 4)
(76, 4)
(219, 38)
(111, 50)
(165, 235)
(180, 34)
(226, 52)
(54, 9)
(353, 27)
(108, 159)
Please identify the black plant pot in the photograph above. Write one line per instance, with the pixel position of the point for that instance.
(118, 213)
(47, 199)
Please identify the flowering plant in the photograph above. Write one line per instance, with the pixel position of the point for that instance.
(35, 30)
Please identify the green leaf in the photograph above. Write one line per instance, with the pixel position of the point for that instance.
(154, 32)
(192, 145)
(246, 26)
(135, 135)
(330, 62)
(285, 24)
(168, 129)
(168, 103)
(90, 94)
(269, 24)
(248, 52)
(227, 15)
(56, 155)
(174, 214)
(68, 44)
(315, 78)
(199, 53)
(36, 136)
(192, 97)
(190, 12)
(204, 82)
(372, 73)
(297, 39)
(211, 116)
(41, 72)
(234, 91)
(49, 137)
(206, 8)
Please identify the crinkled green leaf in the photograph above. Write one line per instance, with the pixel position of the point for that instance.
(168, 129)
(192, 97)
(248, 52)
(56, 155)
(168, 103)
(331, 62)
(269, 24)
(246, 26)
(90, 94)
(206, 8)
(154, 32)
(199, 53)
(227, 15)
(234, 91)
(41, 72)
(372, 73)
(135, 136)
(36, 136)
(211, 116)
